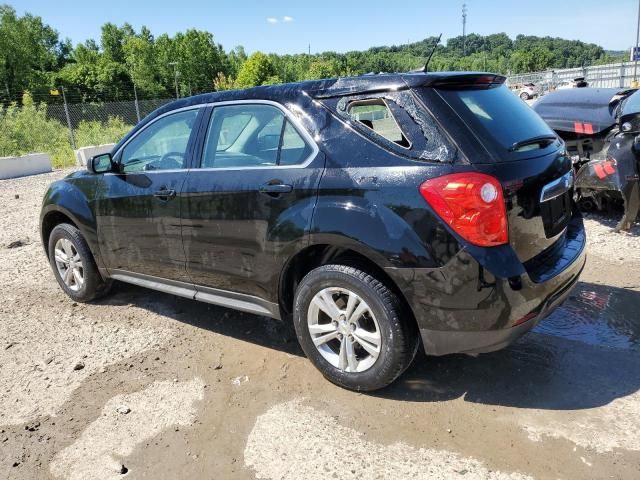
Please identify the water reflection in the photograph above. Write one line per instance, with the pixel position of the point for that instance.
(597, 315)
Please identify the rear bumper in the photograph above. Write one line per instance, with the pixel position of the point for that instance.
(463, 308)
(444, 342)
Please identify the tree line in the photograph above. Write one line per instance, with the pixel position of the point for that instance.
(125, 62)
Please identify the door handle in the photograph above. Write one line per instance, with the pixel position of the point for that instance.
(164, 194)
(275, 189)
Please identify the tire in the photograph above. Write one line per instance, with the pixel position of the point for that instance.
(397, 343)
(92, 285)
(524, 96)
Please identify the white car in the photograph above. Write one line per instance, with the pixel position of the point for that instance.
(528, 91)
(579, 82)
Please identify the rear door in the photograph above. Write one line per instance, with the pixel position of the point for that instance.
(249, 202)
(138, 209)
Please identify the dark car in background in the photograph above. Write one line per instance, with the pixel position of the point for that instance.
(601, 129)
(377, 213)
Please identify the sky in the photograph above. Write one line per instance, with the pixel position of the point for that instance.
(340, 25)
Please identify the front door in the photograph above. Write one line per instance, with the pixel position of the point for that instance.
(250, 203)
(138, 209)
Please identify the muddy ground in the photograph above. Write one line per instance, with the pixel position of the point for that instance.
(147, 385)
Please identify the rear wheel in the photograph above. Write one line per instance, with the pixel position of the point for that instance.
(350, 326)
(74, 266)
(524, 96)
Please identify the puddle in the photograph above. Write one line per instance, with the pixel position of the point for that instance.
(597, 315)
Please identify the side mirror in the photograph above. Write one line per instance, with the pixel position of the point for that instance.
(102, 163)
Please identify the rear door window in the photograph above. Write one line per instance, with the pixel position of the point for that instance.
(252, 135)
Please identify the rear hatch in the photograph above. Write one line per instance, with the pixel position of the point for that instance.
(498, 134)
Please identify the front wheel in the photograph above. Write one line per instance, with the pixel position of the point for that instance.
(524, 96)
(351, 327)
(73, 265)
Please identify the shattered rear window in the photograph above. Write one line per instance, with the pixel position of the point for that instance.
(376, 115)
(422, 140)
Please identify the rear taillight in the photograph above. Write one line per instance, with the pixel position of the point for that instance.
(472, 204)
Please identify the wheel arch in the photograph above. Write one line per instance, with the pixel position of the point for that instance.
(316, 255)
(50, 220)
(54, 214)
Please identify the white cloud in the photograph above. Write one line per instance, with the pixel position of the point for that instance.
(287, 18)
(272, 20)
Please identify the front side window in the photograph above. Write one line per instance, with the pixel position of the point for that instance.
(245, 136)
(160, 146)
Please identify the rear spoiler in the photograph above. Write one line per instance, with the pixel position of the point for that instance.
(383, 83)
(467, 80)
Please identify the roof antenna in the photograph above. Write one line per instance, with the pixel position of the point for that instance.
(433, 50)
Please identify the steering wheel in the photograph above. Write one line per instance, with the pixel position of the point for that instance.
(168, 161)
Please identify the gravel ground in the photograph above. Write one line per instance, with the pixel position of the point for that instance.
(149, 385)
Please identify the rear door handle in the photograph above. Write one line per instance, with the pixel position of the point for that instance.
(275, 188)
(164, 194)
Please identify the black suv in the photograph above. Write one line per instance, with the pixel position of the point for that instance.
(374, 212)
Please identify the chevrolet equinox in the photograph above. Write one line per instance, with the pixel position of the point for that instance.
(377, 213)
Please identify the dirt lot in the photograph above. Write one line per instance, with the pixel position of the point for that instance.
(152, 386)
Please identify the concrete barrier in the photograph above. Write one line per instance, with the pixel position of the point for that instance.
(85, 153)
(31, 164)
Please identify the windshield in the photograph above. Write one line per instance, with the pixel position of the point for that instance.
(631, 104)
(499, 115)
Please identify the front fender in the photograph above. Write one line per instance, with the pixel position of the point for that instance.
(73, 198)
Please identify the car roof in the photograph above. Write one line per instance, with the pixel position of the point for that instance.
(326, 88)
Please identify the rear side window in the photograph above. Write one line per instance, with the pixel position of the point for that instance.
(246, 136)
(397, 121)
(496, 113)
(376, 115)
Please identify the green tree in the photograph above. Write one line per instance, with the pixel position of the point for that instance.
(199, 60)
(222, 82)
(322, 69)
(92, 76)
(113, 39)
(533, 59)
(141, 63)
(29, 52)
(257, 70)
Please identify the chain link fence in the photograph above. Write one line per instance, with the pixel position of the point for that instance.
(616, 75)
(73, 115)
(63, 129)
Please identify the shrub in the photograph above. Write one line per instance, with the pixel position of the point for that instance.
(26, 129)
(98, 133)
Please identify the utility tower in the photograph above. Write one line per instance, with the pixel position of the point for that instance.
(464, 28)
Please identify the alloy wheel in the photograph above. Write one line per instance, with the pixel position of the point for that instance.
(69, 264)
(344, 329)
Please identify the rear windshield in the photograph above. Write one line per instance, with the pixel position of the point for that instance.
(498, 114)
